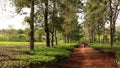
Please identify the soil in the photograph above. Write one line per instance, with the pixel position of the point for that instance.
(88, 57)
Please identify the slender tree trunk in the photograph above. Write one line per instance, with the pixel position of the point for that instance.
(32, 26)
(111, 25)
(65, 40)
(103, 34)
(111, 35)
(53, 22)
(68, 39)
(115, 16)
(46, 24)
(99, 37)
(98, 34)
(89, 31)
(56, 42)
(113, 31)
(52, 38)
(93, 37)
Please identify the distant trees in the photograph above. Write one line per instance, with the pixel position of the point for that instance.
(20, 35)
(98, 13)
(11, 35)
(70, 27)
(95, 18)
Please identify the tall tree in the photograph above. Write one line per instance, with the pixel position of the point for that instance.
(46, 24)
(32, 25)
(114, 8)
(20, 4)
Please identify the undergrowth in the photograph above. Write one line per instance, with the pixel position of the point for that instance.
(23, 58)
(108, 49)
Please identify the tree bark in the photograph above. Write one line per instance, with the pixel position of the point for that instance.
(111, 25)
(32, 25)
(56, 42)
(103, 41)
(113, 17)
(52, 38)
(46, 24)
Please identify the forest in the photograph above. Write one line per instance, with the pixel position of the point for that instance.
(61, 31)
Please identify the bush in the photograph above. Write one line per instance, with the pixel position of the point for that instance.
(21, 38)
(84, 40)
(46, 55)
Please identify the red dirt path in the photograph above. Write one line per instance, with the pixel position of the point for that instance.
(87, 57)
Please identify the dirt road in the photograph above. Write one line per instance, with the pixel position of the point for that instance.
(88, 57)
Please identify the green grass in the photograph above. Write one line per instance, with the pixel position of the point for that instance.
(19, 43)
(21, 56)
(108, 49)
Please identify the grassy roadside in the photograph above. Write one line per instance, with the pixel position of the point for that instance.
(108, 49)
(20, 56)
(2, 43)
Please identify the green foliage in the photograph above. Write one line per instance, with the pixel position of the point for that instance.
(20, 35)
(38, 34)
(37, 59)
(20, 4)
(12, 37)
(108, 49)
(84, 40)
(96, 17)
(58, 53)
(18, 56)
(20, 31)
(21, 38)
(102, 47)
(117, 34)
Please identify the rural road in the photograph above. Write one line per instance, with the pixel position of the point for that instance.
(88, 57)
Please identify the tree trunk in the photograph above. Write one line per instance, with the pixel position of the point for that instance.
(93, 37)
(56, 42)
(32, 25)
(111, 25)
(46, 24)
(98, 34)
(103, 41)
(111, 35)
(68, 39)
(99, 37)
(52, 40)
(65, 40)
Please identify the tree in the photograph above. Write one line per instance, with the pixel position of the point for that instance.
(68, 11)
(20, 31)
(38, 34)
(46, 24)
(114, 8)
(27, 3)
(96, 17)
(32, 25)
